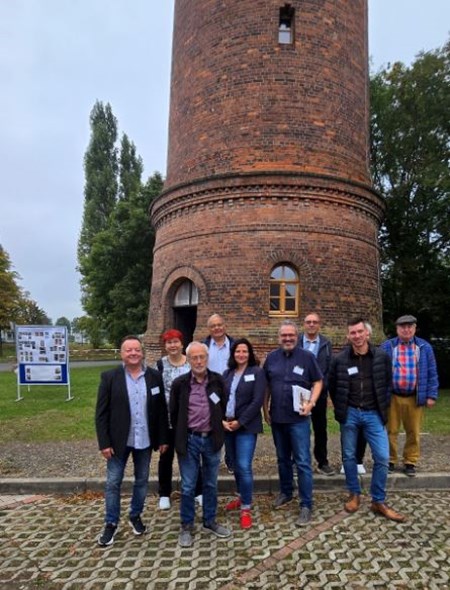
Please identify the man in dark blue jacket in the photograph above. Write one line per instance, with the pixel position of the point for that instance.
(294, 384)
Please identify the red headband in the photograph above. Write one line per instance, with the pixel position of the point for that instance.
(172, 335)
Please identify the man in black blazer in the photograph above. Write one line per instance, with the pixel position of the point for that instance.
(311, 339)
(130, 419)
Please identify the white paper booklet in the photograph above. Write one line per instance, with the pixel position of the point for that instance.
(300, 395)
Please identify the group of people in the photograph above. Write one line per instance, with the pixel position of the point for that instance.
(213, 395)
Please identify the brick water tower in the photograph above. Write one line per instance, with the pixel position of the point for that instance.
(268, 210)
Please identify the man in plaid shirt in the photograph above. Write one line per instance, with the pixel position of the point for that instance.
(414, 387)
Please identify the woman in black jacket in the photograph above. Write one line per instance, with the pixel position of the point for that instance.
(245, 386)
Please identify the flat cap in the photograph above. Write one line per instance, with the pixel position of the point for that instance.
(406, 319)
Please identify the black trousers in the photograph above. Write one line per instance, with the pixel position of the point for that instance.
(319, 423)
(165, 470)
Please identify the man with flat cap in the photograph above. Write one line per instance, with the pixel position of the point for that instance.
(414, 387)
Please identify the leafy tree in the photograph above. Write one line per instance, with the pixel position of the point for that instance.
(76, 328)
(16, 306)
(30, 313)
(121, 265)
(130, 169)
(116, 241)
(100, 189)
(410, 141)
(92, 329)
(75, 325)
(63, 321)
(10, 293)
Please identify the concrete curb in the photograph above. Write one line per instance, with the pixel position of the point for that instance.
(226, 485)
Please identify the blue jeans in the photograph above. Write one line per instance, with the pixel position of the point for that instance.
(165, 470)
(199, 451)
(369, 422)
(115, 468)
(240, 447)
(292, 443)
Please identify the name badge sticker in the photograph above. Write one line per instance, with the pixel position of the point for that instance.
(298, 370)
(154, 390)
(352, 370)
(248, 378)
(214, 398)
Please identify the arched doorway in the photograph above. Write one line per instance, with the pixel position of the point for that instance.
(185, 303)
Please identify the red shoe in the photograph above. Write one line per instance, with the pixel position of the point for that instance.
(234, 504)
(246, 519)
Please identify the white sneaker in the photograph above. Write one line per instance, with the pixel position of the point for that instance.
(360, 467)
(164, 503)
(199, 500)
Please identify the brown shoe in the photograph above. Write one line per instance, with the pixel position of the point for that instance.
(384, 510)
(352, 504)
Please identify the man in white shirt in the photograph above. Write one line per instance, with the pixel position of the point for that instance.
(218, 343)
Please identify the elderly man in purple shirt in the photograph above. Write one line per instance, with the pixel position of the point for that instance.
(197, 408)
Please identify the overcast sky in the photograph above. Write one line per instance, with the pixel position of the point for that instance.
(57, 57)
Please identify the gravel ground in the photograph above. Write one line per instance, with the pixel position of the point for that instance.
(82, 458)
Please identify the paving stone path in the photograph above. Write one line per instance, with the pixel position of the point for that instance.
(49, 543)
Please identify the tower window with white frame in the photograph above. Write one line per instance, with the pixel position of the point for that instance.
(286, 25)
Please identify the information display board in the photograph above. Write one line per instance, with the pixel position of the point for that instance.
(42, 356)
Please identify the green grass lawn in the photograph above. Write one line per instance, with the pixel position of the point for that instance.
(8, 352)
(44, 415)
(437, 420)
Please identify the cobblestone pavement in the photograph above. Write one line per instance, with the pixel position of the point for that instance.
(49, 543)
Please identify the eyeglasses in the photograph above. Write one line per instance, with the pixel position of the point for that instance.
(197, 357)
(311, 322)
